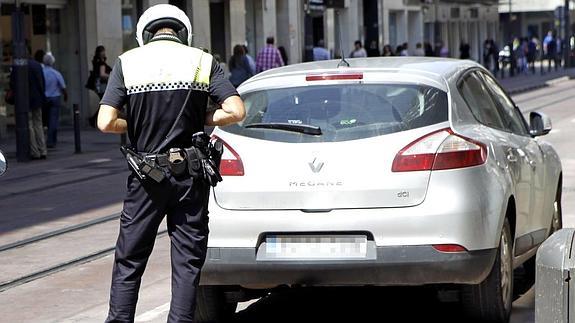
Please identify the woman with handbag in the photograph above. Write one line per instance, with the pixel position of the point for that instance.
(99, 77)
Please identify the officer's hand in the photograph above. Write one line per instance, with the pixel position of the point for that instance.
(109, 122)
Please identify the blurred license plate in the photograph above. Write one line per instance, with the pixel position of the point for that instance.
(316, 246)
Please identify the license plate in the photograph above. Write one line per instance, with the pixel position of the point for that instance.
(316, 247)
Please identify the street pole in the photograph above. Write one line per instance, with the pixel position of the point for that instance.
(20, 83)
(567, 38)
(77, 139)
(510, 33)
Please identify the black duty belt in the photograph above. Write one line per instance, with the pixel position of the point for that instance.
(200, 161)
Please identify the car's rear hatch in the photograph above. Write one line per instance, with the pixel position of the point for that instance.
(349, 165)
(321, 176)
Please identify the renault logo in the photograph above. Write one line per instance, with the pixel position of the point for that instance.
(315, 167)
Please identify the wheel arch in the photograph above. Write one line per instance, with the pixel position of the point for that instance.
(511, 215)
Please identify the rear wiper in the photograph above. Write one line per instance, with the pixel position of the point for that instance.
(302, 128)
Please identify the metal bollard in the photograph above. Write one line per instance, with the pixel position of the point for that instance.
(555, 278)
(77, 141)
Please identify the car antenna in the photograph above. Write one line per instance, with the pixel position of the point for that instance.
(343, 62)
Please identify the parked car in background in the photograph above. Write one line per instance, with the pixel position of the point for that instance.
(393, 171)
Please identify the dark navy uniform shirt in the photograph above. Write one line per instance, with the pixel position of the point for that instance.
(153, 81)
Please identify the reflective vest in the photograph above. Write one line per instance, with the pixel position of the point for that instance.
(147, 69)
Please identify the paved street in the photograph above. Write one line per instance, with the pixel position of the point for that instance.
(45, 196)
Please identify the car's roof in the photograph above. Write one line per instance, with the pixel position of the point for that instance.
(439, 69)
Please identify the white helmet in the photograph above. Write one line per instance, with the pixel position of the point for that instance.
(163, 16)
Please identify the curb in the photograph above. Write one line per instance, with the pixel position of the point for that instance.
(547, 83)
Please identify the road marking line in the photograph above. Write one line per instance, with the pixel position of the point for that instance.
(573, 120)
(555, 130)
(100, 160)
(557, 80)
(153, 314)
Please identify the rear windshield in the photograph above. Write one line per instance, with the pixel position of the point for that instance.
(342, 112)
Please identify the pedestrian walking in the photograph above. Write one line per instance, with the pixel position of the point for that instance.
(165, 85)
(387, 50)
(373, 49)
(36, 100)
(99, 76)
(55, 91)
(550, 50)
(358, 50)
(419, 51)
(443, 51)
(428, 49)
(39, 57)
(532, 53)
(251, 60)
(464, 50)
(269, 57)
(283, 54)
(240, 69)
(558, 51)
(520, 48)
(222, 64)
(404, 50)
(491, 56)
(319, 51)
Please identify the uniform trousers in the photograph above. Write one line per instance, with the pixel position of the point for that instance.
(185, 203)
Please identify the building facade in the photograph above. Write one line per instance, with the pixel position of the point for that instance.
(533, 18)
(452, 23)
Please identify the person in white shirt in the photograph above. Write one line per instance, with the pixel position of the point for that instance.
(419, 50)
(359, 51)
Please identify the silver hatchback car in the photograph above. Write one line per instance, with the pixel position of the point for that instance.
(393, 171)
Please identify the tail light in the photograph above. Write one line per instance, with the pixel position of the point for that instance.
(440, 150)
(231, 164)
(449, 248)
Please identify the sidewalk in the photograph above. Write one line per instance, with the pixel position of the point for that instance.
(93, 142)
(527, 82)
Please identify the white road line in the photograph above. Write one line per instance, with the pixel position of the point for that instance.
(99, 161)
(573, 120)
(555, 130)
(153, 314)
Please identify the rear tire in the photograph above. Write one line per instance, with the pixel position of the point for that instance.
(212, 306)
(491, 300)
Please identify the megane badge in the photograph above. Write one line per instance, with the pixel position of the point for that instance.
(315, 167)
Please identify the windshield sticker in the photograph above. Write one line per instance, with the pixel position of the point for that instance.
(347, 122)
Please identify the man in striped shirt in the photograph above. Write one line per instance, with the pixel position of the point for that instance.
(269, 57)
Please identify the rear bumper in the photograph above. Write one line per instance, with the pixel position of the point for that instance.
(399, 265)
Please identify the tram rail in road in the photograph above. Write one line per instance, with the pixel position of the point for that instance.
(61, 266)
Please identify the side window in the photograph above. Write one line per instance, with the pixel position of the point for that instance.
(482, 105)
(512, 118)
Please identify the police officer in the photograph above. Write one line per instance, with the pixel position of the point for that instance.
(165, 85)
